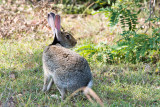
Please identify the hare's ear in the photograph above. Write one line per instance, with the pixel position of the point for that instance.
(51, 18)
(57, 22)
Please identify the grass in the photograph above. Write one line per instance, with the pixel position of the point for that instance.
(116, 85)
(21, 74)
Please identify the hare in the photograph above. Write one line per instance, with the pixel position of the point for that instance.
(68, 70)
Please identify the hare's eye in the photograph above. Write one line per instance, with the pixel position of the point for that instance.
(68, 36)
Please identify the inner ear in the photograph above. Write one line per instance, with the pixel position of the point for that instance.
(57, 22)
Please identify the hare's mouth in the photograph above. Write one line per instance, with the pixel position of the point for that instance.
(74, 43)
(70, 46)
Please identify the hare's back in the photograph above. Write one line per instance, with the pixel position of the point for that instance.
(63, 59)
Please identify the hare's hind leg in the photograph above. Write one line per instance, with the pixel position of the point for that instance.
(62, 92)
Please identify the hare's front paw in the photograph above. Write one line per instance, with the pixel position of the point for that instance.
(46, 87)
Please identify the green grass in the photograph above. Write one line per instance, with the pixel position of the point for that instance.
(116, 85)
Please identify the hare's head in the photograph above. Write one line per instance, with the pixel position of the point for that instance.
(63, 38)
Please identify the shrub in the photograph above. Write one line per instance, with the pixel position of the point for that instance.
(133, 47)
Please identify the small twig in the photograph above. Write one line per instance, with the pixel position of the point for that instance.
(88, 8)
(150, 12)
(154, 4)
(148, 19)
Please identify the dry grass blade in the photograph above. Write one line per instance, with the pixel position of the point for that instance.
(89, 98)
(94, 95)
(88, 92)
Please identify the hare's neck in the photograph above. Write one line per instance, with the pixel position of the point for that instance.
(55, 41)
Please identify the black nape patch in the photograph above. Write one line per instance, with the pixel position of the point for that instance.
(55, 41)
